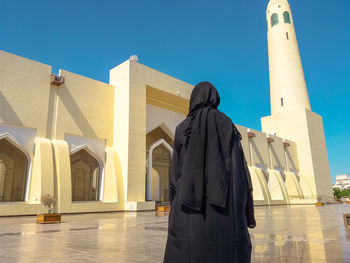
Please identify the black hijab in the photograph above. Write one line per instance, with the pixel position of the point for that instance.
(209, 138)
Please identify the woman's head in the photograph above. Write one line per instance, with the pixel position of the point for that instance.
(204, 95)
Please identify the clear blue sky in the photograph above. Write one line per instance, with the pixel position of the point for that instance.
(220, 41)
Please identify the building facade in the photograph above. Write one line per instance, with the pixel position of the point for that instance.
(106, 147)
(342, 182)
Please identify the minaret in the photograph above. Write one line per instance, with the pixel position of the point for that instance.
(291, 116)
(287, 82)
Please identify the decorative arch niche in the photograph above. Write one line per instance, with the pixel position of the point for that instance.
(13, 171)
(85, 175)
(159, 152)
(161, 132)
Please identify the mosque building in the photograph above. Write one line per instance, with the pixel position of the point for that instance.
(106, 147)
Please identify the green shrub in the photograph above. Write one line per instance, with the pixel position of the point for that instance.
(339, 194)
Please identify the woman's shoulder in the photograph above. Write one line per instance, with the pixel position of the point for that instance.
(226, 123)
(220, 117)
(182, 125)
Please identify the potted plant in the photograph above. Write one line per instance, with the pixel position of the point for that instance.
(49, 201)
(319, 202)
(163, 207)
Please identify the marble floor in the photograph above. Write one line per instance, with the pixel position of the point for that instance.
(283, 234)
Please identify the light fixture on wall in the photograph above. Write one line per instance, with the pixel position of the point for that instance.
(56, 80)
(251, 134)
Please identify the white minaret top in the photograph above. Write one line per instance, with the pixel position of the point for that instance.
(287, 82)
(272, 2)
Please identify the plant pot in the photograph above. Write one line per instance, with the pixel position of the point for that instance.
(340, 201)
(48, 218)
(163, 208)
(348, 202)
(319, 204)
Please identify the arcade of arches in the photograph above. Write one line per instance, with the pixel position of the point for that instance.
(85, 176)
(14, 169)
(13, 172)
(160, 164)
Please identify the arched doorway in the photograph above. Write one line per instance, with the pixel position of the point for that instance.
(159, 153)
(160, 173)
(85, 170)
(13, 172)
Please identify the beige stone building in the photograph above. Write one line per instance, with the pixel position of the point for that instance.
(342, 181)
(106, 147)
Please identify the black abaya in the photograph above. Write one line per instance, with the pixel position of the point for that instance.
(210, 187)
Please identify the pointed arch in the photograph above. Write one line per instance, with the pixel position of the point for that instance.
(160, 142)
(88, 149)
(150, 184)
(8, 137)
(14, 170)
(160, 132)
(86, 174)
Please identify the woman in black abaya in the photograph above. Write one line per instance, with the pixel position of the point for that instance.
(210, 187)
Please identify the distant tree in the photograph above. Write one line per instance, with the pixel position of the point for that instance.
(345, 193)
(339, 194)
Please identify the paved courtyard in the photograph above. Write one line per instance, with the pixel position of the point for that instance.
(283, 234)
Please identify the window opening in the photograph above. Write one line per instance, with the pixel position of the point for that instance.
(286, 17)
(274, 20)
